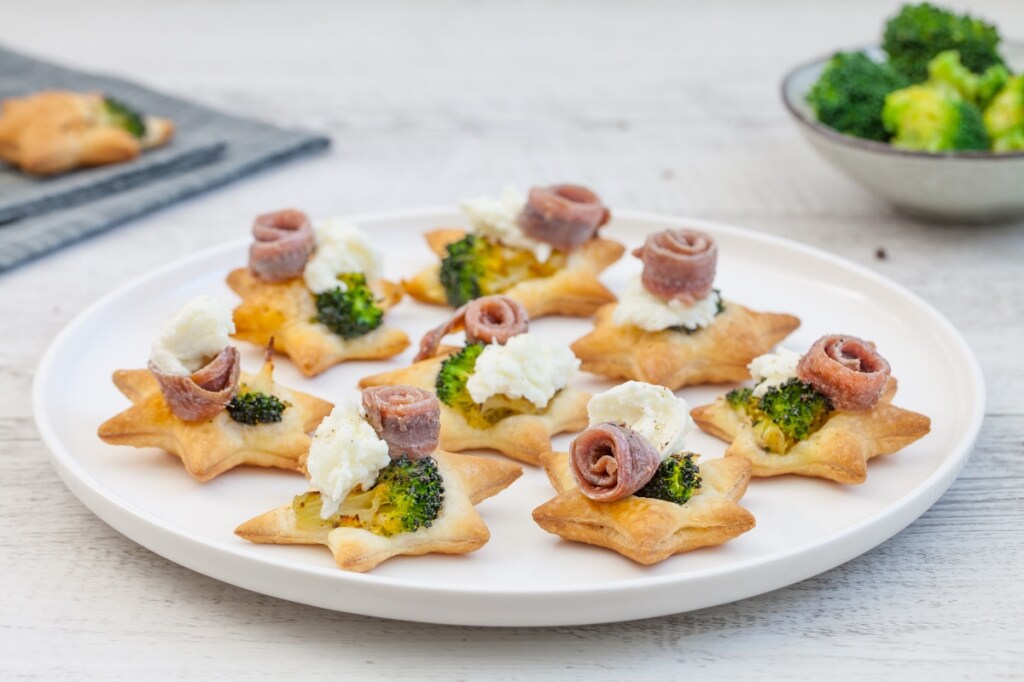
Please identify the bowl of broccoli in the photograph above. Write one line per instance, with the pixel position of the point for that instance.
(932, 119)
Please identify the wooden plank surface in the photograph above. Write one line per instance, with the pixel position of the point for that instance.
(662, 106)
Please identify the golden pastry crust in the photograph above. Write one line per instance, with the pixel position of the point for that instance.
(838, 451)
(573, 291)
(283, 311)
(719, 353)
(56, 131)
(209, 448)
(523, 437)
(468, 480)
(646, 530)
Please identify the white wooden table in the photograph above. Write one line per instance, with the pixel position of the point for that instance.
(660, 106)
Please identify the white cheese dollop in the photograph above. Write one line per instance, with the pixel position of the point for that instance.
(497, 219)
(773, 369)
(652, 411)
(525, 367)
(640, 308)
(345, 452)
(340, 247)
(199, 330)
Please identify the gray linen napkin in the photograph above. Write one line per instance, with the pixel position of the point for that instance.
(210, 149)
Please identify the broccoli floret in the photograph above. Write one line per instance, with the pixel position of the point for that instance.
(119, 114)
(462, 270)
(349, 310)
(451, 390)
(739, 397)
(253, 407)
(785, 414)
(475, 266)
(455, 372)
(946, 71)
(919, 32)
(991, 84)
(407, 495)
(850, 93)
(1004, 117)
(674, 481)
(934, 119)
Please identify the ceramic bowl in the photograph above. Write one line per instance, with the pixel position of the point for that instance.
(960, 186)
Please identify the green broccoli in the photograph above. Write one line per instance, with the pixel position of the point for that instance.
(785, 414)
(1004, 117)
(946, 71)
(451, 390)
(933, 119)
(253, 407)
(991, 84)
(674, 481)
(119, 114)
(919, 32)
(408, 495)
(850, 93)
(462, 270)
(738, 398)
(475, 266)
(455, 372)
(349, 310)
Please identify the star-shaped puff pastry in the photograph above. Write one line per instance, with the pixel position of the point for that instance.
(56, 131)
(523, 437)
(209, 448)
(285, 312)
(718, 353)
(838, 451)
(574, 290)
(644, 529)
(468, 480)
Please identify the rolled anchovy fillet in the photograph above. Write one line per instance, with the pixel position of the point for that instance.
(564, 216)
(679, 264)
(284, 241)
(846, 369)
(611, 462)
(408, 419)
(488, 319)
(206, 392)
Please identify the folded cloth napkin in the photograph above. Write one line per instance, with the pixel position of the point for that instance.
(209, 149)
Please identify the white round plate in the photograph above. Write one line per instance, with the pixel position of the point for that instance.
(523, 576)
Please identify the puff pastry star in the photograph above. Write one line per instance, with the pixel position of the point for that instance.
(574, 290)
(718, 353)
(209, 448)
(468, 480)
(284, 312)
(523, 437)
(56, 131)
(838, 451)
(647, 530)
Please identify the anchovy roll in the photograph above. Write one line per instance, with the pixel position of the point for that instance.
(846, 369)
(284, 241)
(489, 319)
(564, 216)
(611, 462)
(408, 419)
(206, 392)
(679, 264)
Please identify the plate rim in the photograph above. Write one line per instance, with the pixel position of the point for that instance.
(898, 514)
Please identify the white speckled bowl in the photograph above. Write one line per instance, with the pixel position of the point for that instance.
(962, 186)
